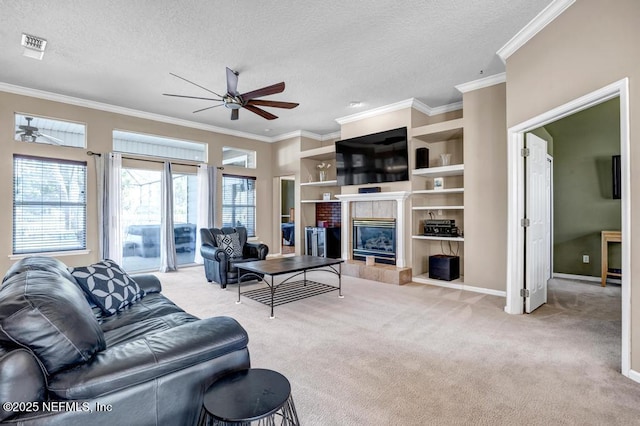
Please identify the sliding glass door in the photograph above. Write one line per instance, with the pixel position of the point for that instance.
(140, 218)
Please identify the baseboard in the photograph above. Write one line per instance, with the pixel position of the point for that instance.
(588, 278)
(634, 375)
(458, 285)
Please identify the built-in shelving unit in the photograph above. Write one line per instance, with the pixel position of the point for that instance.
(318, 201)
(442, 171)
(445, 202)
(312, 189)
(431, 238)
(323, 153)
(321, 183)
(428, 208)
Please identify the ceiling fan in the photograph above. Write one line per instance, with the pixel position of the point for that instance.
(234, 100)
(29, 133)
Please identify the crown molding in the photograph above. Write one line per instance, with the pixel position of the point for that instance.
(50, 96)
(537, 24)
(446, 108)
(482, 82)
(407, 103)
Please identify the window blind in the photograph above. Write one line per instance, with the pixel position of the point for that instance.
(49, 205)
(239, 202)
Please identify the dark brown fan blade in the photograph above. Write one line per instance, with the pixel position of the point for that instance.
(269, 90)
(191, 97)
(235, 113)
(204, 109)
(262, 113)
(274, 104)
(232, 82)
(182, 78)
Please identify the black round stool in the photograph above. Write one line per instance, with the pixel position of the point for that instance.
(249, 395)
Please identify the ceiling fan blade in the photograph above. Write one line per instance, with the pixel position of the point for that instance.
(274, 104)
(262, 113)
(269, 90)
(182, 78)
(191, 97)
(235, 113)
(56, 141)
(232, 82)
(204, 109)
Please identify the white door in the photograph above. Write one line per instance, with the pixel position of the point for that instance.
(537, 211)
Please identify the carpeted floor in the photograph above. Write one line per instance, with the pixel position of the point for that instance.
(424, 355)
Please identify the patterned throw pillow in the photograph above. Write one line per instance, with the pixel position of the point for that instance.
(230, 243)
(108, 285)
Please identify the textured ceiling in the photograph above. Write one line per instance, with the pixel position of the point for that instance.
(328, 53)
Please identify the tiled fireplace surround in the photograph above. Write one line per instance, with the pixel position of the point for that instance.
(376, 205)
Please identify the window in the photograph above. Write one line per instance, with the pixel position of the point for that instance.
(157, 146)
(30, 128)
(49, 205)
(238, 157)
(239, 202)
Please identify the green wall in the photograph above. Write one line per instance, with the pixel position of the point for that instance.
(583, 144)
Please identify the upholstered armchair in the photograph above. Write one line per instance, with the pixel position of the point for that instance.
(223, 248)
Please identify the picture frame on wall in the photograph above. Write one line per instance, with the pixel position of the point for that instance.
(438, 184)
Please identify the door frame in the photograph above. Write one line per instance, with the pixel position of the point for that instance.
(278, 211)
(516, 211)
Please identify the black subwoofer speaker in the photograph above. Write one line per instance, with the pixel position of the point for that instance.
(422, 158)
(444, 267)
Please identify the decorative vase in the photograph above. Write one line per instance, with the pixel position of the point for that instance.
(323, 175)
(445, 159)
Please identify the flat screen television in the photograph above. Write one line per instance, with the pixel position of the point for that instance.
(376, 158)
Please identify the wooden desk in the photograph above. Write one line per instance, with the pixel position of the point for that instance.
(606, 238)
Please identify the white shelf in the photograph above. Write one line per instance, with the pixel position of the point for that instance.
(439, 191)
(442, 171)
(320, 154)
(438, 132)
(318, 201)
(438, 208)
(430, 238)
(321, 183)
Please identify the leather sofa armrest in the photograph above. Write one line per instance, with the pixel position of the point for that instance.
(258, 250)
(149, 283)
(213, 253)
(150, 357)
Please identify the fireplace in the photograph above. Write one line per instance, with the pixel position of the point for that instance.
(375, 237)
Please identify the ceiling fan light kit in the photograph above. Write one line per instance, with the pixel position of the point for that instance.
(234, 101)
(29, 133)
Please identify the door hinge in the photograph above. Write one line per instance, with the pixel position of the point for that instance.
(524, 222)
(524, 152)
(524, 292)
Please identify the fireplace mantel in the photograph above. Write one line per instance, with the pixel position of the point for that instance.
(400, 197)
(375, 196)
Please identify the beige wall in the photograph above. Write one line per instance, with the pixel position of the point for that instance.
(485, 187)
(592, 44)
(100, 125)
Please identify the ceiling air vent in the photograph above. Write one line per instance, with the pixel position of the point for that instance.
(33, 46)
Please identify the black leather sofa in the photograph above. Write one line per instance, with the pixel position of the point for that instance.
(63, 362)
(220, 264)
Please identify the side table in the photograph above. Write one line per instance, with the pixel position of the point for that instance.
(253, 395)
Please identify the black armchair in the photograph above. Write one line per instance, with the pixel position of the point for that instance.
(220, 259)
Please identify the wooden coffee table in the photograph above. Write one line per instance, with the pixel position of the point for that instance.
(289, 291)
